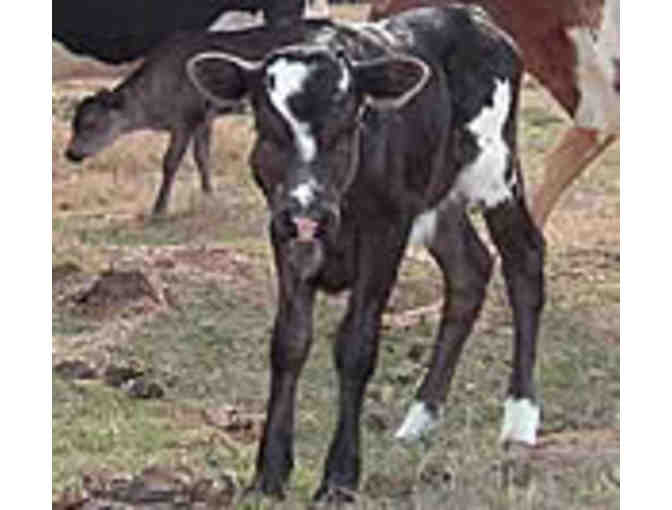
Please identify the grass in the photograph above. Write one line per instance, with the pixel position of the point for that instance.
(206, 341)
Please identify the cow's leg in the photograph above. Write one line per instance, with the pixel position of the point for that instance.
(521, 246)
(466, 266)
(577, 149)
(355, 354)
(290, 344)
(179, 139)
(201, 150)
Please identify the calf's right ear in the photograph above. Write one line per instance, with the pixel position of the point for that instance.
(221, 77)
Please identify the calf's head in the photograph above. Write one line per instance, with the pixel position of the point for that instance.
(98, 121)
(308, 101)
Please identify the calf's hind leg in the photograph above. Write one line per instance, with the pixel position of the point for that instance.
(201, 151)
(521, 245)
(179, 140)
(466, 266)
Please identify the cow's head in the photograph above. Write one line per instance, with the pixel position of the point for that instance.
(99, 119)
(308, 101)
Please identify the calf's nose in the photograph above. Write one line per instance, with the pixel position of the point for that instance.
(306, 224)
(73, 156)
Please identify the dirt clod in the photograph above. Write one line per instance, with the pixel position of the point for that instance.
(243, 426)
(380, 485)
(118, 376)
(62, 271)
(75, 369)
(115, 291)
(436, 475)
(416, 352)
(145, 389)
(155, 488)
(376, 421)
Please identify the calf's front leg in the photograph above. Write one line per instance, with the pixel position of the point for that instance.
(290, 344)
(355, 355)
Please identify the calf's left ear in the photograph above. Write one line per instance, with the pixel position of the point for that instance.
(391, 82)
(223, 78)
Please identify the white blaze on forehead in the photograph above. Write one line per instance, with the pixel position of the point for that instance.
(287, 79)
(304, 193)
(483, 181)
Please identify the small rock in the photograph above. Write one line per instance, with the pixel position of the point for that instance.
(153, 485)
(145, 389)
(387, 394)
(374, 393)
(202, 490)
(165, 263)
(383, 486)
(436, 475)
(416, 352)
(64, 270)
(376, 421)
(117, 376)
(75, 369)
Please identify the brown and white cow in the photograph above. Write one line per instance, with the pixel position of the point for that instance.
(572, 48)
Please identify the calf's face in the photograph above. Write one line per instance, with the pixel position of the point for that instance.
(98, 121)
(308, 101)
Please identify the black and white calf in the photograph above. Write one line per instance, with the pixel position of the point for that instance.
(371, 136)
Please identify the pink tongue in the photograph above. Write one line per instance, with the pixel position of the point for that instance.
(305, 228)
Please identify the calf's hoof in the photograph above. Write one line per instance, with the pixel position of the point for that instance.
(260, 489)
(521, 421)
(334, 495)
(266, 486)
(419, 421)
(158, 213)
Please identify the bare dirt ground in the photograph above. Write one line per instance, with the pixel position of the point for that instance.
(160, 344)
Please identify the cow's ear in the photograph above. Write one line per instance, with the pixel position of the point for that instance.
(391, 82)
(222, 77)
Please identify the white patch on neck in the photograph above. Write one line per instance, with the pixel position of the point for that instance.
(304, 193)
(288, 79)
(483, 182)
(599, 105)
(521, 421)
(418, 422)
(424, 228)
(344, 81)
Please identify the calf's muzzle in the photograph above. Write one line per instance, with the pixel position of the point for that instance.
(316, 222)
(73, 155)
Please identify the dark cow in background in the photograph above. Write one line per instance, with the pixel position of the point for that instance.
(572, 48)
(116, 31)
(371, 136)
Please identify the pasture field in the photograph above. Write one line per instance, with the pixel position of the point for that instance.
(161, 329)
